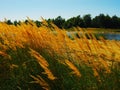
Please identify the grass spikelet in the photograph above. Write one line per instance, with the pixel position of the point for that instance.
(95, 72)
(73, 67)
(43, 63)
(12, 66)
(41, 81)
(2, 53)
(6, 56)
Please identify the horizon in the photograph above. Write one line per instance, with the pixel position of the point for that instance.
(34, 9)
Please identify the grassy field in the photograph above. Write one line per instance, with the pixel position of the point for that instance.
(46, 58)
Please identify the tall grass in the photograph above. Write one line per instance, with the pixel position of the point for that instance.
(33, 58)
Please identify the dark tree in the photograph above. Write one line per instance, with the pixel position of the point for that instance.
(15, 23)
(107, 22)
(100, 21)
(38, 23)
(74, 21)
(80, 21)
(87, 20)
(95, 22)
(9, 22)
(26, 21)
(115, 22)
(59, 21)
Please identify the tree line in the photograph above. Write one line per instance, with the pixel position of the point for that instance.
(100, 21)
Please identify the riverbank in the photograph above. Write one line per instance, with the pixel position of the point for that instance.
(110, 34)
(97, 30)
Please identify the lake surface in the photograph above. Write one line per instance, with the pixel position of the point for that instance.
(110, 36)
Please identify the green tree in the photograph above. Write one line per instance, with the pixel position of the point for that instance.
(95, 22)
(87, 20)
(74, 21)
(38, 23)
(9, 22)
(115, 22)
(59, 21)
(107, 22)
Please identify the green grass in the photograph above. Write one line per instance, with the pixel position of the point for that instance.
(18, 78)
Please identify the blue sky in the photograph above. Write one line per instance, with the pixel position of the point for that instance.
(20, 9)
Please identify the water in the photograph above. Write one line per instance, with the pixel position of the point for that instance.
(110, 36)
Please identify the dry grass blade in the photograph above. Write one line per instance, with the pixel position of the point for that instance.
(43, 63)
(6, 56)
(41, 81)
(73, 67)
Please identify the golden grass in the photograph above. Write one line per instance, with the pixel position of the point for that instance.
(73, 68)
(98, 54)
(43, 63)
(41, 81)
